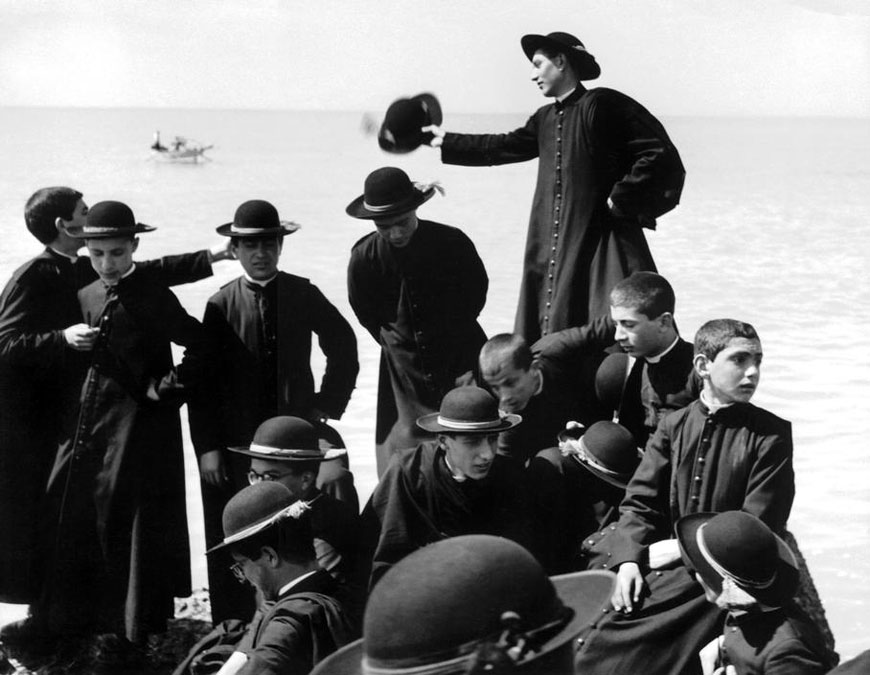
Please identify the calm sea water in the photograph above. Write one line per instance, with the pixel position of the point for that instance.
(773, 229)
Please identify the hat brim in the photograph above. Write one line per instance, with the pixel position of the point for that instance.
(289, 454)
(586, 593)
(787, 573)
(358, 209)
(620, 481)
(84, 232)
(390, 141)
(286, 227)
(585, 66)
(250, 530)
(430, 423)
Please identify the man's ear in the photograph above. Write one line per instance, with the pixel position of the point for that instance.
(60, 225)
(309, 479)
(135, 243)
(667, 319)
(702, 365)
(271, 556)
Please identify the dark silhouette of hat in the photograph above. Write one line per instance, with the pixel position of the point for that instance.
(469, 598)
(400, 130)
(255, 508)
(610, 380)
(107, 220)
(741, 546)
(388, 192)
(609, 452)
(257, 219)
(584, 64)
(287, 438)
(468, 410)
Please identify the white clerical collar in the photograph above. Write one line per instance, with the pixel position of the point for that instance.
(73, 258)
(258, 281)
(713, 407)
(561, 99)
(286, 587)
(659, 357)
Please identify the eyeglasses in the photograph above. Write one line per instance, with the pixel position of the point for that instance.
(238, 572)
(254, 477)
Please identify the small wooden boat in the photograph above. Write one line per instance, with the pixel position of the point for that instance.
(181, 149)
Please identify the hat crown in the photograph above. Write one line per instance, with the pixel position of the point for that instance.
(566, 39)
(286, 432)
(111, 215)
(254, 504)
(742, 545)
(613, 446)
(469, 405)
(451, 594)
(387, 186)
(256, 214)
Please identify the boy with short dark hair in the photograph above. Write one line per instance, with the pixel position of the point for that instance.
(719, 453)
(120, 546)
(42, 339)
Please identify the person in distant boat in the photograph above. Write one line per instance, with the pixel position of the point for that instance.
(42, 344)
(720, 453)
(606, 170)
(456, 484)
(748, 571)
(417, 287)
(263, 323)
(157, 145)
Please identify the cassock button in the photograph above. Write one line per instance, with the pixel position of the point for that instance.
(695, 498)
(697, 479)
(548, 305)
(591, 542)
(658, 574)
(580, 641)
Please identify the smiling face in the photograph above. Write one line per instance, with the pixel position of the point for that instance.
(470, 455)
(397, 230)
(112, 258)
(640, 336)
(259, 256)
(732, 376)
(550, 74)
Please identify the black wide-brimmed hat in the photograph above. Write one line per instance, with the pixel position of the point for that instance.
(107, 220)
(255, 508)
(388, 192)
(469, 598)
(400, 130)
(608, 451)
(610, 379)
(468, 410)
(287, 438)
(738, 545)
(584, 64)
(257, 219)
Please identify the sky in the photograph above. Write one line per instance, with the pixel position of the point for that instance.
(680, 57)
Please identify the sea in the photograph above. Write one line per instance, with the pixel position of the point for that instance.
(773, 228)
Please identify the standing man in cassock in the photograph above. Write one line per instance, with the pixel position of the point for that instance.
(263, 324)
(43, 344)
(417, 287)
(606, 170)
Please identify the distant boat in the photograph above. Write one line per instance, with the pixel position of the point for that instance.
(181, 149)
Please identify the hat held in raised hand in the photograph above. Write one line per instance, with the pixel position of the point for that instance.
(400, 131)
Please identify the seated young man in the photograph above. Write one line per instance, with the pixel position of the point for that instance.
(268, 534)
(286, 450)
(651, 373)
(41, 337)
(548, 391)
(456, 484)
(748, 571)
(263, 323)
(720, 453)
(117, 539)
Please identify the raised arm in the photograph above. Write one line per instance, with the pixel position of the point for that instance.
(519, 145)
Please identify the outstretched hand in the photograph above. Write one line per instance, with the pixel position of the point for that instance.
(629, 585)
(437, 134)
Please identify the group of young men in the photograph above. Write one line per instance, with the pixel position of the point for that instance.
(584, 438)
